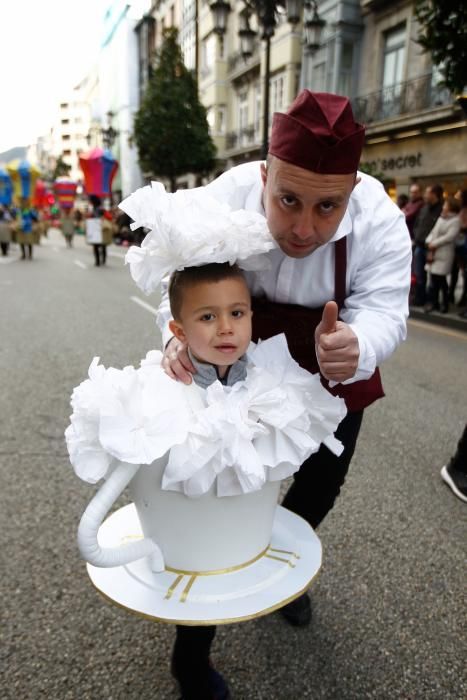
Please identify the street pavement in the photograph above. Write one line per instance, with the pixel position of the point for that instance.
(389, 603)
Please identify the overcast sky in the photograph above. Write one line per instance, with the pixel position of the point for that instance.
(46, 48)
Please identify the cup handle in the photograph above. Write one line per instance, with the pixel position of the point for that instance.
(95, 513)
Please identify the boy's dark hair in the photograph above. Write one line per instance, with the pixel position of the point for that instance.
(182, 280)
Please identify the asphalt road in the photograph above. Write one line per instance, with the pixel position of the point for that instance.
(389, 605)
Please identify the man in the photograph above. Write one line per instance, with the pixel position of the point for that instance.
(340, 238)
(428, 216)
(413, 206)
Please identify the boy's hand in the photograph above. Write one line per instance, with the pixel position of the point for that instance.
(176, 363)
(336, 346)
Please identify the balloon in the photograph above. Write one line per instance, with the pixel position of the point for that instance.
(6, 188)
(23, 176)
(65, 191)
(99, 168)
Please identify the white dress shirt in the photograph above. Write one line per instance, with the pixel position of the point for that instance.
(378, 266)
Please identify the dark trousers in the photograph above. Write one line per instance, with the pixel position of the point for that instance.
(190, 661)
(4, 246)
(459, 461)
(23, 250)
(419, 261)
(439, 284)
(315, 488)
(100, 253)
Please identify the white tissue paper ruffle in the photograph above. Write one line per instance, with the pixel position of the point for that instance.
(190, 228)
(261, 429)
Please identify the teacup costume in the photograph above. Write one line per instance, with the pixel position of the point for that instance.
(203, 462)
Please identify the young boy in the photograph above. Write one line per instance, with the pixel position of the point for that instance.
(211, 308)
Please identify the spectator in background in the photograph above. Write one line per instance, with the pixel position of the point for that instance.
(460, 257)
(5, 233)
(428, 216)
(402, 200)
(99, 231)
(67, 226)
(440, 245)
(413, 206)
(27, 234)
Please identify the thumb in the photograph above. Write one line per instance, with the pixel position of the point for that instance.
(329, 318)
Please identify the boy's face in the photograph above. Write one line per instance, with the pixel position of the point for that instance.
(215, 321)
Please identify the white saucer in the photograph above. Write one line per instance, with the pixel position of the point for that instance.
(280, 574)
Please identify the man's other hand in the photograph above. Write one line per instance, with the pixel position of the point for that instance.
(176, 362)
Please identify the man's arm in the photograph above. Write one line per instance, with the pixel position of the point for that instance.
(376, 308)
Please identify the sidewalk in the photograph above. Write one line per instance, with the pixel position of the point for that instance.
(450, 320)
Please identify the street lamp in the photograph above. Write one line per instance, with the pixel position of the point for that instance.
(108, 134)
(267, 12)
(313, 26)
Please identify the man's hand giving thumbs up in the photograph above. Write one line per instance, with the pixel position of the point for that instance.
(336, 346)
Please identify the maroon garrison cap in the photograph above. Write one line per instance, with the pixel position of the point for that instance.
(318, 133)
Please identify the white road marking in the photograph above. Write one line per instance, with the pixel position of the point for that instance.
(6, 260)
(80, 264)
(146, 306)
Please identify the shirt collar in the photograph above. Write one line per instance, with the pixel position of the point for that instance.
(206, 373)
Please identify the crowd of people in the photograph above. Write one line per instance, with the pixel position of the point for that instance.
(438, 229)
(25, 226)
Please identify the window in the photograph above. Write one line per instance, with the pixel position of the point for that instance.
(393, 71)
(344, 86)
(257, 112)
(208, 53)
(277, 94)
(221, 120)
(211, 119)
(394, 54)
(65, 137)
(65, 121)
(243, 116)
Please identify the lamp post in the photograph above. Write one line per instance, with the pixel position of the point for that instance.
(267, 12)
(108, 134)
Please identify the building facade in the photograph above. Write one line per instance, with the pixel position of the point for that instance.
(416, 132)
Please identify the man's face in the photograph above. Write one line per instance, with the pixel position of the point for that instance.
(303, 209)
(415, 193)
(215, 321)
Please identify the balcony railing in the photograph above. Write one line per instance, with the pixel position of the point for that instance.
(248, 136)
(402, 99)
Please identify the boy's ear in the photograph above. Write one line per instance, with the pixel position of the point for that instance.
(177, 329)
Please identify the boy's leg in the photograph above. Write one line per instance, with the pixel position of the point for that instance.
(190, 661)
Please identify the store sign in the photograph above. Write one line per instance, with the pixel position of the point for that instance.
(391, 164)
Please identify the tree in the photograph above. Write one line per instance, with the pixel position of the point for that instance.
(61, 168)
(170, 128)
(443, 32)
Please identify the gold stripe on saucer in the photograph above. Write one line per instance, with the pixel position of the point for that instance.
(217, 572)
(286, 561)
(284, 551)
(173, 587)
(186, 590)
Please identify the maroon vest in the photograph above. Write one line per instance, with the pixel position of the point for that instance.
(299, 324)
